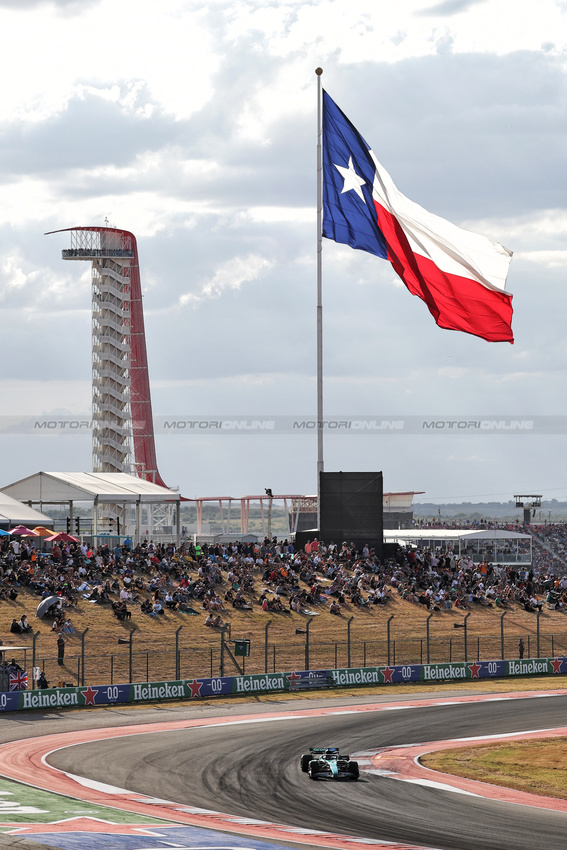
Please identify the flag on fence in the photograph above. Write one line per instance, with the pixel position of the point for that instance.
(18, 681)
(460, 275)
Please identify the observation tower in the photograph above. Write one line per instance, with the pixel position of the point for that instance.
(122, 422)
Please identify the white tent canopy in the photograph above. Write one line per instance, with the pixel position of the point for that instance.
(418, 534)
(13, 513)
(496, 545)
(127, 493)
(52, 488)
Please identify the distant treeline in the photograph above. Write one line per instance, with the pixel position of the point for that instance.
(550, 511)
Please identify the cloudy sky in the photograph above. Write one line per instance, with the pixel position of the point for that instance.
(193, 124)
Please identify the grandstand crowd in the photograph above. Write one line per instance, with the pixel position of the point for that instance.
(273, 576)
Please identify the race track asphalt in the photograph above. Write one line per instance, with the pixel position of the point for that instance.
(252, 770)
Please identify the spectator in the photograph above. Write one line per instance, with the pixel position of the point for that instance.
(60, 650)
(214, 620)
(24, 624)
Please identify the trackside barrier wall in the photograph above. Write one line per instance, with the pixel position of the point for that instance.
(264, 683)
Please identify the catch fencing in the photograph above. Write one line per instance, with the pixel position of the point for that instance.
(179, 658)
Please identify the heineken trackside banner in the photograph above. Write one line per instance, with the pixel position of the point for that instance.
(266, 682)
(386, 675)
(143, 692)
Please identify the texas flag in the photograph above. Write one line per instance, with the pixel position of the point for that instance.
(460, 275)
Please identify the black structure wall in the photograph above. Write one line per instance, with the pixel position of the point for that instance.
(351, 508)
(398, 519)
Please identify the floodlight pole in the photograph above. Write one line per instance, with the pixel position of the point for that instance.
(320, 463)
(270, 504)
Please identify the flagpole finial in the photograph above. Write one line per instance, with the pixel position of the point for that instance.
(318, 71)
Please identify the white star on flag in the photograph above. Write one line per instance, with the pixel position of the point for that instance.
(352, 180)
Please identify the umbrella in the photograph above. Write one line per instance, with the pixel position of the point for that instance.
(45, 604)
(42, 531)
(62, 537)
(4, 533)
(22, 531)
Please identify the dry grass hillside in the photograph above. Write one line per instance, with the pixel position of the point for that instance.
(154, 639)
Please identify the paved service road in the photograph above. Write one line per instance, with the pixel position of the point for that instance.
(252, 769)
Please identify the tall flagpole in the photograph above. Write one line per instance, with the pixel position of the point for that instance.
(320, 463)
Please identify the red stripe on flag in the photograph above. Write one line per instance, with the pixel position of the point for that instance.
(456, 303)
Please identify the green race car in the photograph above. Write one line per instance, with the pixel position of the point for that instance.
(328, 763)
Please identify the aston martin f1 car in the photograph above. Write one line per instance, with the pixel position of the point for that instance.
(328, 763)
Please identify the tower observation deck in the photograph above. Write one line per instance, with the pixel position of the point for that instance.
(122, 422)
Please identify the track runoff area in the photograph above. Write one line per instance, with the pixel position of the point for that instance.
(47, 806)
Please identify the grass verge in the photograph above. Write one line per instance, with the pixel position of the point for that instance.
(536, 767)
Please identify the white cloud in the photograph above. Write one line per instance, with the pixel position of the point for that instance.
(362, 31)
(11, 276)
(38, 398)
(549, 259)
(169, 45)
(272, 215)
(230, 276)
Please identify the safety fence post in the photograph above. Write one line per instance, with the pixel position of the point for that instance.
(266, 628)
(35, 637)
(502, 634)
(348, 641)
(177, 658)
(390, 618)
(83, 634)
(307, 643)
(428, 639)
(466, 635)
